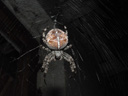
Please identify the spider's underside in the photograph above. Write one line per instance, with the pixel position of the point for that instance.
(56, 40)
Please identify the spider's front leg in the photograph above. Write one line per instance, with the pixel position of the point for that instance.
(48, 58)
(44, 35)
(67, 47)
(68, 58)
(66, 31)
(47, 49)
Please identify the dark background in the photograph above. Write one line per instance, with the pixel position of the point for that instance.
(98, 32)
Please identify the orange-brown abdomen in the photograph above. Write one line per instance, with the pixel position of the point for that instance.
(56, 39)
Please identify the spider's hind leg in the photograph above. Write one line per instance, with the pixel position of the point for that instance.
(68, 58)
(48, 58)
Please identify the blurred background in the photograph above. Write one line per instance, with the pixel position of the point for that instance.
(98, 31)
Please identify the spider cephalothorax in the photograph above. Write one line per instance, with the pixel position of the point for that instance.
(57, 41)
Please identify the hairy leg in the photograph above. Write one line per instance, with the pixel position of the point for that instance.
(68, 58)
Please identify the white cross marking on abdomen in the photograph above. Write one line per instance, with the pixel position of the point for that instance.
(58, 39)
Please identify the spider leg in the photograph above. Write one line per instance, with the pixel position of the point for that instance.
(44, 30)
(68, 58)
(44, 34)
(44, 40)
(47, 49)
(48, 58)
(67, 47)
(61, 58)
(66, 31)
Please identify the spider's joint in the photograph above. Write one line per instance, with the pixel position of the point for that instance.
(45, 29)
(43, 34)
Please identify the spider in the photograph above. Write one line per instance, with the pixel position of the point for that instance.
(56, 41)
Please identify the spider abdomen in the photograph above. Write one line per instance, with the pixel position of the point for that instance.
(56, 39)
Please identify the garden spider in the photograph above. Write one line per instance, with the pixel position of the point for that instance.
(57, 41)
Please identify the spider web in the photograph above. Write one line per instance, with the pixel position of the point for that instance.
(60, 67)
(90, 34)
